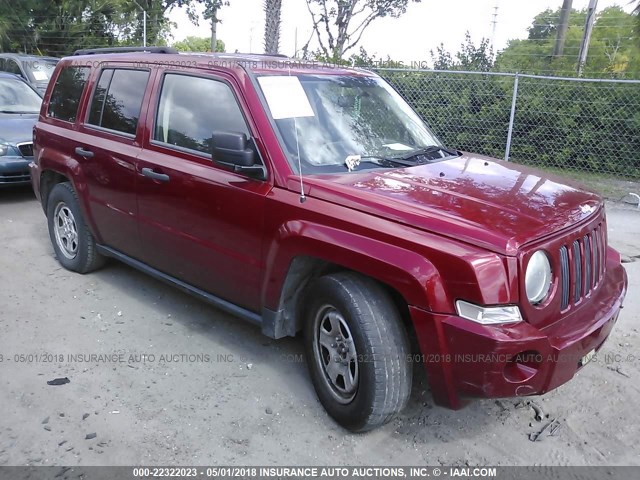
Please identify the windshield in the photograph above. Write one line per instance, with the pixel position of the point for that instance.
(344, 122)
(18, 97)
(40, 70)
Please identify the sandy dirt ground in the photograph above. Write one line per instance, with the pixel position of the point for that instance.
(187, 384)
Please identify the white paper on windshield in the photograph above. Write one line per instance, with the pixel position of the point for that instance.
(286, 97)
(38, 75)
(397, 146)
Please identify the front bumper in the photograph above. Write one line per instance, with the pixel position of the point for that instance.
(466, 359)
(14, 171)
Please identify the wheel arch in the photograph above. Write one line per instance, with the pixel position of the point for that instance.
(295, 261)
(48, 180)
(51, 174)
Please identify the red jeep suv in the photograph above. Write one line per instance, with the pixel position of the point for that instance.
(314, 200)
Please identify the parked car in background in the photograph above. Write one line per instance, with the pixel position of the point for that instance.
(315, 201)
(19, 107)
(33, 69)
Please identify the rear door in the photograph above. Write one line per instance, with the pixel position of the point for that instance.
(200, 222)
(107, 147)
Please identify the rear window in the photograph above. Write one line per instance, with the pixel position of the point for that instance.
(65, 97)
(117, 100)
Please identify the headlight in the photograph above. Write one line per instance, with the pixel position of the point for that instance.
(488, 315)
(537, 279)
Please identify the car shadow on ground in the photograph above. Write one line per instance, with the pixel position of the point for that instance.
(287, 356)
(9, 195)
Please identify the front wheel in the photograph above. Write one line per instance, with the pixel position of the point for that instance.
(357, 350)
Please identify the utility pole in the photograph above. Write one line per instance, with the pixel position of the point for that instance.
(494, 23)
(144, 24)
(562, 28)
(588, 27)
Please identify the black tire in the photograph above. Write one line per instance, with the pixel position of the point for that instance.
(380, 370)
(78, 254)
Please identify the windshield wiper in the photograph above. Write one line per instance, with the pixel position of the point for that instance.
(430, 149)
(17, 112)
(387, 161)
(407, 160)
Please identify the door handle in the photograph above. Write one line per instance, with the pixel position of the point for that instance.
(161, 177)
(84, 153)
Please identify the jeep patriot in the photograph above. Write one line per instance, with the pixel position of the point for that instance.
(315, 202)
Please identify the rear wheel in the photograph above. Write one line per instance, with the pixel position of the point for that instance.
(72, 241)
(357, 351)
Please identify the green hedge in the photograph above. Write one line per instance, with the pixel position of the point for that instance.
(587, 126)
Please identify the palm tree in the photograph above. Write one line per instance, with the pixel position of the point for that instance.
(272, 10)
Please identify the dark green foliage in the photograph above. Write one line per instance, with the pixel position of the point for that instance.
(59, 27)
(583, 126)
(198, 44)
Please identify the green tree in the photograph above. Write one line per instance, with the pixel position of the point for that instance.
(338, 25)
(613, 52)
(61, 26)
(198, 44)
(211, 9)
(469, 57)
(58, 27)
(158, 23)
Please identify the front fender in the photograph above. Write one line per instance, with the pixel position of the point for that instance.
(409, 273)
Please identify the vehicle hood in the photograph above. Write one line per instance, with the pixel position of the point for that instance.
(17, 128)
(483, 201)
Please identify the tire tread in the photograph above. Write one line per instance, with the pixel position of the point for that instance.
(383, 330)
(92, 260)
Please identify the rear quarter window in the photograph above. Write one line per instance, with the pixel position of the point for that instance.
(65, 97)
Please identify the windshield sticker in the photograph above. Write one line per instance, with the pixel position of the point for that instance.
(286, 97)
(397, 146)
(38, 75)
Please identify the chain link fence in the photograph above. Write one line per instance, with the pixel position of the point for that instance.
(587, 125)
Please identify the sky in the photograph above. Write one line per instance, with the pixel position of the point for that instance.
(408, 38)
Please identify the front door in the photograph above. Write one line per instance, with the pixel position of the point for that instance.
(200, 222)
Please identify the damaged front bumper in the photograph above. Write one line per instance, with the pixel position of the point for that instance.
(465, 359)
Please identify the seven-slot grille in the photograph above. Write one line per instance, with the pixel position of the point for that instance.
(582, 265)
(26, 149)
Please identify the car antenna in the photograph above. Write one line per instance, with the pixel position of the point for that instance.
(295, 129)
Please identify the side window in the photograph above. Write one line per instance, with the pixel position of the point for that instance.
(12, 67)
(65, 97)
(191, 108)
(117, 99)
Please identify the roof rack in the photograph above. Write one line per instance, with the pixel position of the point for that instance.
(93, 51)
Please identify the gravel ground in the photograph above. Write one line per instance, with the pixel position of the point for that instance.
(187, 384)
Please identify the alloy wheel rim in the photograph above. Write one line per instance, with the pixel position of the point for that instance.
(66, 231)
(335, 353)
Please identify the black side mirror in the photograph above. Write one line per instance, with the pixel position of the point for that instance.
(234, 150)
